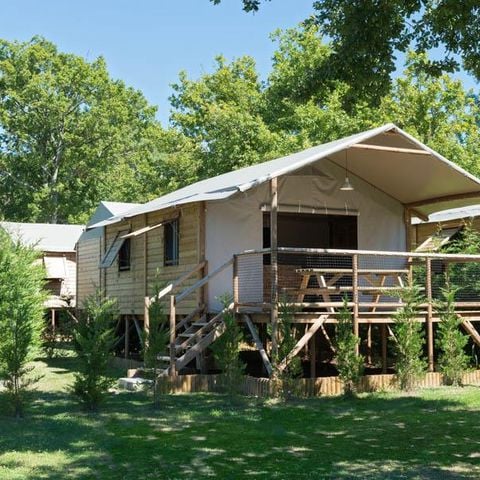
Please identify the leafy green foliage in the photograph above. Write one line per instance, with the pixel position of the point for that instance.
(69, 134)
(156, 339)
(226, 350)
(366, 36)
(94, 339)
(409, 339)
(350, 365)
(289, 385)
(464, 277)
(451, 341)
(21, 318)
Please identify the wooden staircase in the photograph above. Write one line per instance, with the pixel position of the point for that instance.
(193, 334)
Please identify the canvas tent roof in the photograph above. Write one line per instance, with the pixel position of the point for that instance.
(389, 159)
(45, 237)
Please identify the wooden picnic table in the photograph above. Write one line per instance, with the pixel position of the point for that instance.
(374, 283)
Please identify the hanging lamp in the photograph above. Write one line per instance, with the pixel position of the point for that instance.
(347, 186)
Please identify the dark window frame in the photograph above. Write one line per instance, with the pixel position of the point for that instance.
(171, 253)
(125, 256)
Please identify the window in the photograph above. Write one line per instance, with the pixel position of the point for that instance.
(124, 256)
(171, 243)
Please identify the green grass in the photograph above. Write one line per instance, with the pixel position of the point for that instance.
(434, 434)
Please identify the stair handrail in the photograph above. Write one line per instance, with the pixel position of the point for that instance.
(171, 286)
(202, 282)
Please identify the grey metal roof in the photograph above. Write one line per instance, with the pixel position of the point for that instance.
(45, 237)
(229, 184)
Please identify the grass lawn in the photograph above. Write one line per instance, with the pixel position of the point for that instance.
(434, 434)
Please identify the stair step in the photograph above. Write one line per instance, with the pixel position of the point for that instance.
(163, 358)
(186, 335)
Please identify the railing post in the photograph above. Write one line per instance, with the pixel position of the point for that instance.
(429, 315)
(355, 299)
(235, 283)
(274, 264)
(173, 356)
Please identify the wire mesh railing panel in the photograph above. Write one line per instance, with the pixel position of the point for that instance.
(323, 280)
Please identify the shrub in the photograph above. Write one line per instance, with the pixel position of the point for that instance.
(93, 340)
(349, 364)
(21, 318)
(226, 351)
(409, 336)
(451, 341)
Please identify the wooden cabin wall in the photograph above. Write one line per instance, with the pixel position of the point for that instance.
(88, 272)
(425, 230)
(131, 286)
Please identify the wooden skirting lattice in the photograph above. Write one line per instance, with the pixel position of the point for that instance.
(308, 387)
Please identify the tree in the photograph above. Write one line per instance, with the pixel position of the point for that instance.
(409, 339)
(93, 340)
(349, 363)
(222, 114)
(69, 134)
(21, 318)
(452, 360)
(366, 36)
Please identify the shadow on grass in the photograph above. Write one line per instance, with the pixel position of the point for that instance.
(428, 436)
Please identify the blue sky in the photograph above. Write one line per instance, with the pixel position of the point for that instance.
(147, 42)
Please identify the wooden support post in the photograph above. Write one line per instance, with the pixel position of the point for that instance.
(313, 356)
(355, 298)
(369, 344)
(173, 313)
(384, 347)
(429, 315)
(274, 263)
(408, 229)
(53, 320)
(146, 315)
(127, 336)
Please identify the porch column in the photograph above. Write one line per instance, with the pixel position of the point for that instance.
(407, 215)
(356, 330)
(274, 263)
(429, 316)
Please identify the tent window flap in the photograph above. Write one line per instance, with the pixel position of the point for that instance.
(437, 240)
(113, 250)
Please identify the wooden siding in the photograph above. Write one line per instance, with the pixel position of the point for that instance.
(131, 286)
(89, 252)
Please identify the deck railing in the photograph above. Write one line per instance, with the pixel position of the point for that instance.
(370, 281)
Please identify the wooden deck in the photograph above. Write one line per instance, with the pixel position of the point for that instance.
(317, 284)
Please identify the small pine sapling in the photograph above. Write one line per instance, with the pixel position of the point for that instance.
(409, 336)
(451, 341)
(155, 340)
(350, 365)
(289, 385)
(93, 340)
(226, 350)
(21, 319)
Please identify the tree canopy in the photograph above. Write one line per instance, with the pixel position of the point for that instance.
(68, 132)
(366, 36)
(71, 136)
